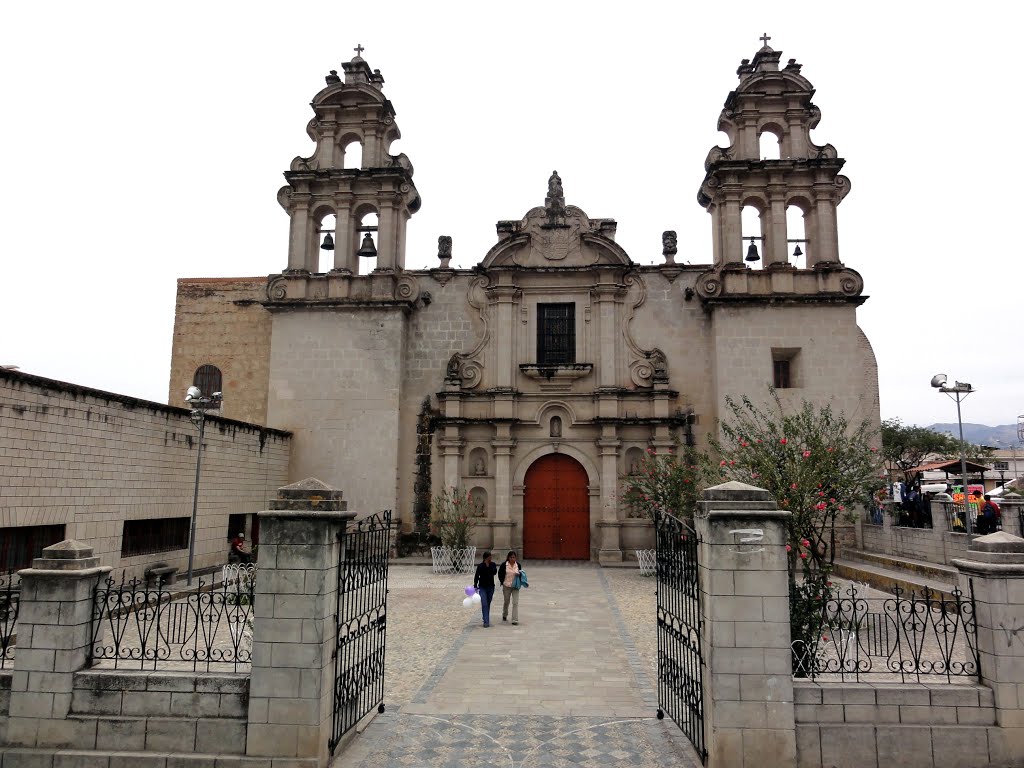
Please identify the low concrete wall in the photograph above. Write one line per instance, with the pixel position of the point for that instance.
(907, 724)
(172, 711)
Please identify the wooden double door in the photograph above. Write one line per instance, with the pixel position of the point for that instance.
(556, 510)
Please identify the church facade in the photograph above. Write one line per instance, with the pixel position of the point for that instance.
(537, 379)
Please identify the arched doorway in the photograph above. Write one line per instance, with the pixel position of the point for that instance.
(556, 510)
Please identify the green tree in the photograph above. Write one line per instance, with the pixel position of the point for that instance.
(905, 446)
(815, 462)
(452, 518)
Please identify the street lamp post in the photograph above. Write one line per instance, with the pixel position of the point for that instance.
(199, 405)
(958, 389)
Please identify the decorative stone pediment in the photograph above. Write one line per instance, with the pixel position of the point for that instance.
(556, 236)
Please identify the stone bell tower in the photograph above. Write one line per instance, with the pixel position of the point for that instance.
(776, 101)
(353, 111)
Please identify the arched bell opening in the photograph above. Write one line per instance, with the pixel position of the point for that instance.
(796, 229)
(751, 227)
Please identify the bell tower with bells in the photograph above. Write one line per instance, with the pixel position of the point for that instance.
(347, 112)
(773, 100)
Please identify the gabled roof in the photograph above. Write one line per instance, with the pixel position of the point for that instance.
(950, 465)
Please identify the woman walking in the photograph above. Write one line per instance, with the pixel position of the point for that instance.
(507, 574)
(484, 583)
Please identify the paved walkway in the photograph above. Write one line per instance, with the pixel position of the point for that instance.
(566, 687)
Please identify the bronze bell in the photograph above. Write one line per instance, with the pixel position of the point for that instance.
(367, 250)
(797, 253)
(328, 244)
(752, 254)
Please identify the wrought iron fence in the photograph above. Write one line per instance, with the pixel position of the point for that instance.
(680, 622)
(10, 600)
(362, 623)
(955, 516)
(905, 637)
(145, 627)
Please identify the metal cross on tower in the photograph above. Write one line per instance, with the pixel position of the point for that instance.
(764, 39)
(359, 49)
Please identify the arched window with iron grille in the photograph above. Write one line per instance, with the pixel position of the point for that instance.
(208, 379)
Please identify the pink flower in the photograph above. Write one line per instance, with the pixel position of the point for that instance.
(793, 486)
(841, 507)
(754, 475)
(807, 454)
(831, 501)
(803, 555)
(731, 463)
(830, 450)
(757, 441)
(874, 450)
(783, 441)
(825, 638)
(789, 548)
(722, 463)
(820, 506)
(805, 542)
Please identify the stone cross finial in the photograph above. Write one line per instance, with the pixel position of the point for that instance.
(764, 39)
(359, 49)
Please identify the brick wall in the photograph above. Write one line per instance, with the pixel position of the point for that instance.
(89, 460)
(906, 724)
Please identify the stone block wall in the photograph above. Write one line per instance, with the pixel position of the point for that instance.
(90, 460)
(161, 711)
(906, 724)
(5, 702)
(336, 385)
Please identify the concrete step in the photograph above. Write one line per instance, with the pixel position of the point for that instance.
(885, 579)
(934, 571)
(14, 757)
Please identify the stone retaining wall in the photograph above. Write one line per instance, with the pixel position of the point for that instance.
(906, 724)
(181, 712)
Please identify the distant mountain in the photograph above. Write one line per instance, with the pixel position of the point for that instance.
(980, 434)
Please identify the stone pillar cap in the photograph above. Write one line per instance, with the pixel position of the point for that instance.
(1000, 541)
(737, 491)
(309, 494)
(69, 549)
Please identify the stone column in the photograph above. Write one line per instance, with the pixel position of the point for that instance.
(298, 234)
(503, 444)
(292, 686)
(748, 677)
(54, 637)
(995, 567)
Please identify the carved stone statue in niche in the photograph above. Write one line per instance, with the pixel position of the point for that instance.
(556, 426)
(452, 371)
(479, 467)
(660, 365)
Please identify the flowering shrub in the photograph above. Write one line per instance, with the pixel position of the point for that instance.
(815, 463)
(452, 516)
(808, 600)
(667, 483)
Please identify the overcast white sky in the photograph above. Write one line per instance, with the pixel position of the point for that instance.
(142, 142)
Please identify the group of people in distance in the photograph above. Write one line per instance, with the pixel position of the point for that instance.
(510, 575)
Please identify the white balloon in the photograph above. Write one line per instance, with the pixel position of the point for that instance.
(467, 602)
(475, 599)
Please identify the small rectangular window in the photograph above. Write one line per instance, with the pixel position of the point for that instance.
(20, 545)
(143, 537)
(1002, 466)
(786, 367)
(782, 380)
(556, 334)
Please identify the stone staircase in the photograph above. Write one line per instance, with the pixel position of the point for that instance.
(883, 572)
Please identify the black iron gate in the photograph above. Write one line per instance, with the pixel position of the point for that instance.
(680, 662)
(362, 623)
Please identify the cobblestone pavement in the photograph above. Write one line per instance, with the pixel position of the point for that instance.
(571, 685)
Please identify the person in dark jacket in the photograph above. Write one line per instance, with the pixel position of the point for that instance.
(484, 583)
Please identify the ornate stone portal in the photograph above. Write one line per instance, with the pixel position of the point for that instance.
(556, 352)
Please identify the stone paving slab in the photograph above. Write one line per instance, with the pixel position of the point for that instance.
(566, 687)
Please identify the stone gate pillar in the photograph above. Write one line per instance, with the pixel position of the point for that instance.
(54, 636)
(291, 691)
(994, 566)
(748, 674)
